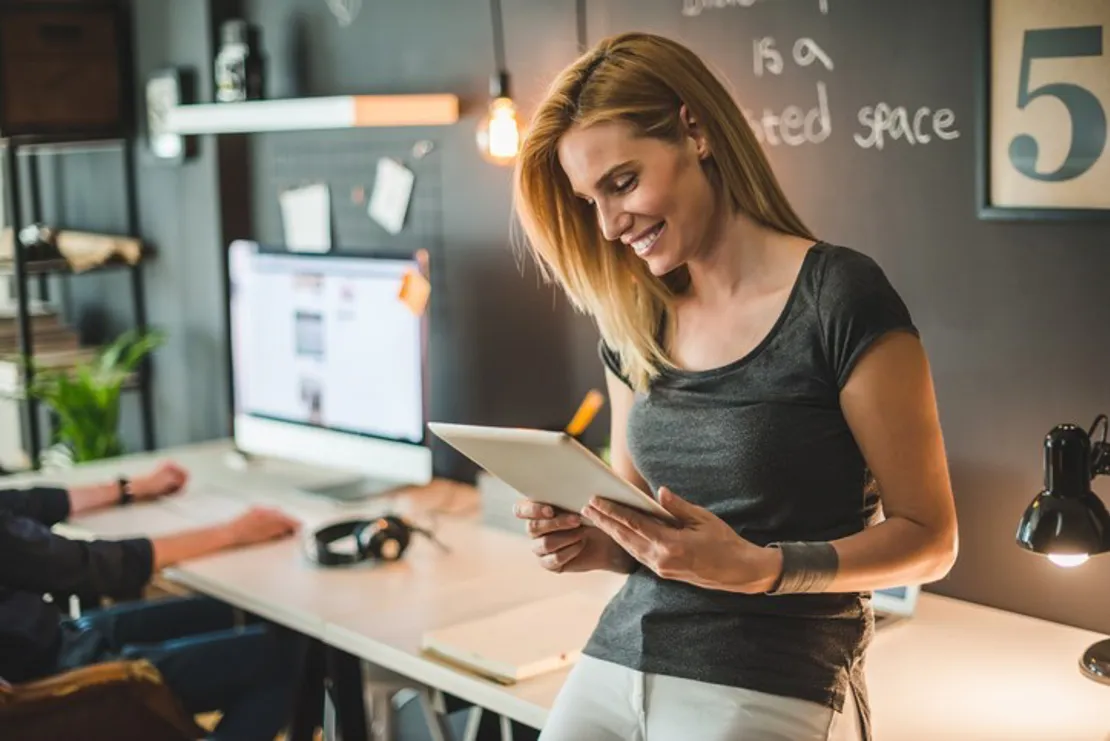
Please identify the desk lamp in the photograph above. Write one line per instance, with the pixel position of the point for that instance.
(1067, 522)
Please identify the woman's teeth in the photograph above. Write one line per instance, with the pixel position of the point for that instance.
(642, 245)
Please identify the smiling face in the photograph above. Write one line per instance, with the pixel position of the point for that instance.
(651, 196)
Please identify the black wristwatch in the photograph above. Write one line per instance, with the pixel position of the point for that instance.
(125, 495)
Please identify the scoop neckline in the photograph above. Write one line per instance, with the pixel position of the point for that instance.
(768, 338)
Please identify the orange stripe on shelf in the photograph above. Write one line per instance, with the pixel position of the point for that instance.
(406, 110)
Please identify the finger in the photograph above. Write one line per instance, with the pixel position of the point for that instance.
(558, 560)
(638, 545)
(678, 506)
(556, 542)
(628, 517)
(568, 521)
(529, 510)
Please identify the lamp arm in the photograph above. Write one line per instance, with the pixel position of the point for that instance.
(1100, 449)
(1100, 459)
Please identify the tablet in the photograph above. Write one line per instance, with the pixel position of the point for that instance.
(545, 466)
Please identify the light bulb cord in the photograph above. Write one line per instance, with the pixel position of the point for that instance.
(580, 23)
(498, 34)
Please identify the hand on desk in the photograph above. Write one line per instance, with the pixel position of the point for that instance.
(260, 524)
(166, 478)
(564, 543)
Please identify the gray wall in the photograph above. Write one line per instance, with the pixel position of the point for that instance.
(1012, 314)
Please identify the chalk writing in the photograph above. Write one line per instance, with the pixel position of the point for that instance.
(697, 7)
(881, 122)
(794, 126)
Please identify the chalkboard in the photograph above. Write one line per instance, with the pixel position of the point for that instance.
(846, 95)
(1012, 314)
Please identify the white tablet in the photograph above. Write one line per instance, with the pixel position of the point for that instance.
(548, 467)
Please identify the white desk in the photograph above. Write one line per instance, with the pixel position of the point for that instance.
(955, 671)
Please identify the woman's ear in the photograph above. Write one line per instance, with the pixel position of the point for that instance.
(694, 131)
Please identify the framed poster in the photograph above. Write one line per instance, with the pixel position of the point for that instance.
(1044, 102)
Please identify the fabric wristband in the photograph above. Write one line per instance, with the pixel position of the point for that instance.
(806, 567)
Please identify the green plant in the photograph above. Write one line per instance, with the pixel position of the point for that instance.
(85, 398)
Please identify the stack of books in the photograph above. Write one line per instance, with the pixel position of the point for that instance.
(54, 344)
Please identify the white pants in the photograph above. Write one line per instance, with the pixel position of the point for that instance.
(602, 701)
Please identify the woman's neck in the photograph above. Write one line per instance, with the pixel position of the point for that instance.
(737, 260)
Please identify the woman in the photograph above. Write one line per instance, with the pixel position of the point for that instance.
(767, 385)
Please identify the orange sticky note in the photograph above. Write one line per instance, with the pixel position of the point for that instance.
(587, 410)
(414, 293)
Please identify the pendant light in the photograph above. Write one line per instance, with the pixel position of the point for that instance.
(498, 131)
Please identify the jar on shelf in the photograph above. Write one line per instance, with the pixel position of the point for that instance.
(239, 64)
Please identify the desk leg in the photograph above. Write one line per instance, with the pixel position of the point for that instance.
(308, 708)
(345, 687)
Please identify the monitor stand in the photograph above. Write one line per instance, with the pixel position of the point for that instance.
(351, 490)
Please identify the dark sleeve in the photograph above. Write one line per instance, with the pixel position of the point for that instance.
(612, 362)
(34, 559)
(856, 305)
(46, 504)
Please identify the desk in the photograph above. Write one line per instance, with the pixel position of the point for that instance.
(955, 671)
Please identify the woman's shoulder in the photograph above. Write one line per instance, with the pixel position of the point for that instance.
(841, 271)
(838, 261)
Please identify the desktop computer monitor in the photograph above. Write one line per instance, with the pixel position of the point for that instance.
(328, 364)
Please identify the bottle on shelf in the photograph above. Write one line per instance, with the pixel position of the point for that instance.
(239, 63)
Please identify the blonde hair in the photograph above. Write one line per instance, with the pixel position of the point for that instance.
(641, 80)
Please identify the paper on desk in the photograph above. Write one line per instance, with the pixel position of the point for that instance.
(306, 218)
(392, 190)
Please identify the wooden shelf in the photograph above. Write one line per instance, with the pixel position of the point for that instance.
(304, 114)
(60, 266)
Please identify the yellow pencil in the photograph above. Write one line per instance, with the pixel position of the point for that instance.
(587, 410)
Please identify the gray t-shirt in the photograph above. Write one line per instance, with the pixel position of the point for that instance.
(763, 444)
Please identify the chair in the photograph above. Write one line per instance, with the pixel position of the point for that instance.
(117, 700)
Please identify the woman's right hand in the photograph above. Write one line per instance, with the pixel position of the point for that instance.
(564, 542)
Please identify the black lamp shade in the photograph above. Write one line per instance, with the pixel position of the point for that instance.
(1065, 525)
(1067, 517)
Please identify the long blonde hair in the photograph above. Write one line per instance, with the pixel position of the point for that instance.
(641, 80)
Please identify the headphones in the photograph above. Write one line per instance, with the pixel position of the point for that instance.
(384, 538)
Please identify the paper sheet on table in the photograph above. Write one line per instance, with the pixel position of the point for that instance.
(306, 218)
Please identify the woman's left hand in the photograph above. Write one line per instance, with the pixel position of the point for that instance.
(700, 549)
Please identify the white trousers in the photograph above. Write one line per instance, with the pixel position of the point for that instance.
(602, 701)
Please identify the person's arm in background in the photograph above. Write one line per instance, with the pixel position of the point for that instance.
(49, 505)
(256, 525)
(164, 479)
(34, 559)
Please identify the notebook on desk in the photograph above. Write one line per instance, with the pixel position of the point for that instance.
(521, 642)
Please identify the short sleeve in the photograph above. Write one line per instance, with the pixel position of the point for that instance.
(612, 362)
(856, 305)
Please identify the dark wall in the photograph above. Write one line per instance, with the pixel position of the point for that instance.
(1010, 313)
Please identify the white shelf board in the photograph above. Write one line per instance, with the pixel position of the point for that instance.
(304, 114)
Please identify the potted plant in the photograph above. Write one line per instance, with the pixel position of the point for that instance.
(85, 397)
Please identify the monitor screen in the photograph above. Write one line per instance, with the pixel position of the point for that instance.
(324, 341)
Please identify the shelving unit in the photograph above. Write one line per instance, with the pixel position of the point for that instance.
(22, 269)
(304, 114)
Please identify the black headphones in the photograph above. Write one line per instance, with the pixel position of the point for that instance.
(384, 538)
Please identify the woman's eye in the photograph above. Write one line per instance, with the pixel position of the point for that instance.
(625, 184)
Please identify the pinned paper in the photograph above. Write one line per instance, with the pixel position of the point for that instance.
(414, 293)
(392, 190)
(587, 410)
(306, 218)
